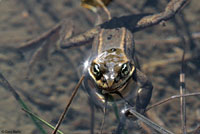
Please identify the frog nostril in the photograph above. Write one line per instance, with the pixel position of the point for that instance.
(104, 80)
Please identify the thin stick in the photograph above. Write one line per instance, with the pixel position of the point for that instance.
(183, 91)
(149, 122)
(171, 98)
(69, 103)
(182, 78)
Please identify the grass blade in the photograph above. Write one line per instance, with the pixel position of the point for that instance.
(8, 87)
(43, 121)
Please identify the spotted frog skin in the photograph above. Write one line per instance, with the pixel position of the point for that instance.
(111, 70)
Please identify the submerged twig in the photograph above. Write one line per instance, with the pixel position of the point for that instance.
(148, 121)
(182, 92)
(182, 73)
(69, 103)
(171, 98)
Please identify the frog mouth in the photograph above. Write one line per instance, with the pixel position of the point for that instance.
(118, 87)
(110, 91)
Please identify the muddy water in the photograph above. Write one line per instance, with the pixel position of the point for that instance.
(50, 84)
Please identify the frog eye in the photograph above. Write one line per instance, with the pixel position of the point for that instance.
(125, 69)
(96, 71)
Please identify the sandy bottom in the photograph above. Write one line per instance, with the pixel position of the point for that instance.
(51, 83)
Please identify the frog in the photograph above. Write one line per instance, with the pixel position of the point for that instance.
(112, 71)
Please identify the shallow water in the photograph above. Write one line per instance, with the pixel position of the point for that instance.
(50, 84)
